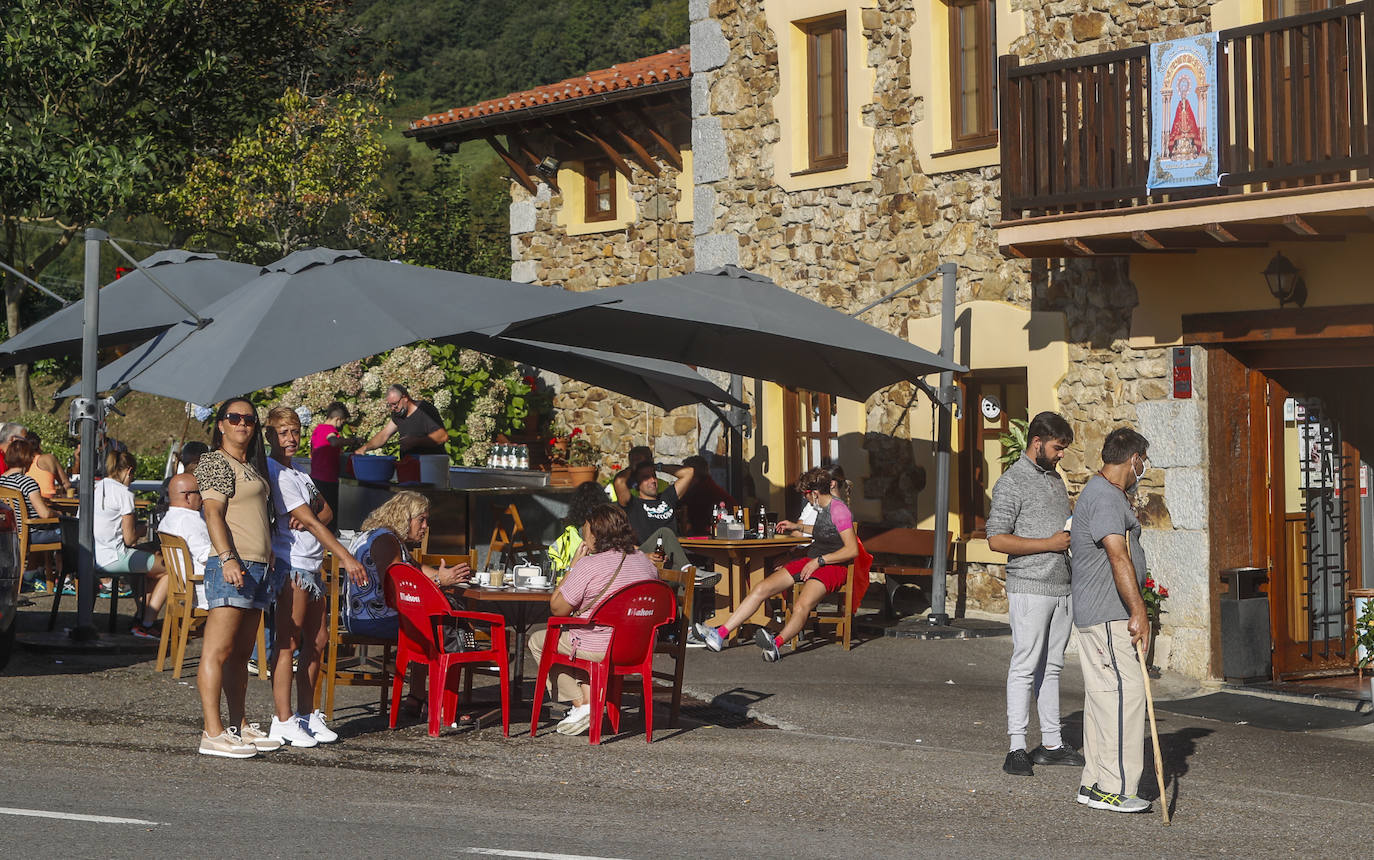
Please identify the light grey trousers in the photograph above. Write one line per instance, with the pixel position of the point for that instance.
(1040, 628)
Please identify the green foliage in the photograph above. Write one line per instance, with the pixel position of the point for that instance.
(52, 430)
(309, 175)
(1014, 441)
(1364, 633)
(447, 53)
(439, 222)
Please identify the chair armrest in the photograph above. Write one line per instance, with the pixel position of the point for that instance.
(486, 617)
(568, 621)
(44, 521)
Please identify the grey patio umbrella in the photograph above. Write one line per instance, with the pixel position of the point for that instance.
(132, 308)
(666, 384)
(736, 321)
(317, 309)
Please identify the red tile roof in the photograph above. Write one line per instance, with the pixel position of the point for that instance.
(660, 68)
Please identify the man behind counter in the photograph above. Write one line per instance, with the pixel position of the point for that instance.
(417, 421)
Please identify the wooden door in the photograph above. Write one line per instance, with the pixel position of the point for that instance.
(1313, 533)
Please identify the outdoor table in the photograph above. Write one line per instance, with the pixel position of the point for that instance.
(742, 557)
(514, 605)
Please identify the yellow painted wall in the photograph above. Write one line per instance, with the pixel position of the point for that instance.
(571, 215)
(851, 423)
(790, 152)
(1000, 336)
(684, 188)
(930, 65)
(1170, 285)
(1235, 13)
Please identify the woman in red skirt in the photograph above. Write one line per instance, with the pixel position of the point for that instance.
(823, 568)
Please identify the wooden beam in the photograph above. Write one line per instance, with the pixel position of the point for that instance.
(674, 155)
(1298, 225)
(610, 151)
(1013, 251)
(1221, 234)
(521, 175)
(1146, 241)
(640, 153)
(1078, 247)
(519, 143)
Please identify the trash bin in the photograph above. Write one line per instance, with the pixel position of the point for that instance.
(1246, 644)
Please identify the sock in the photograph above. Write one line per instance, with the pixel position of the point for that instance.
(1018, 742)
(1051, 742)
(723, 631)
(777, 640)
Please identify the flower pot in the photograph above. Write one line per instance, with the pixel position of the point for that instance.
(558, 476)
(578, 475)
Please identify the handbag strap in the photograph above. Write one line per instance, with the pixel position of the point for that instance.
(597, 600)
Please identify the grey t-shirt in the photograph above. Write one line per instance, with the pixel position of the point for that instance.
(1102, 510)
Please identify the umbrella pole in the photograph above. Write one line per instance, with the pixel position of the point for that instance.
(945, 417)
(86, 412)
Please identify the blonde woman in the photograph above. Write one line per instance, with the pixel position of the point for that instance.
(299, 539)
(387, 536)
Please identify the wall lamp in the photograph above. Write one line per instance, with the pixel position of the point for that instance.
(548, 167)
(1285, 281)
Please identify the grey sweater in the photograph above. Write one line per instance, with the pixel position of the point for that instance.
(1029, 502)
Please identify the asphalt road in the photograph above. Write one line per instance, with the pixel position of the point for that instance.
(880, 756)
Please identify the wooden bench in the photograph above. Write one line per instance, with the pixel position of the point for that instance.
(913, 550)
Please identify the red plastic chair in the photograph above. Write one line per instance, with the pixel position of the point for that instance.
(422, 608)
(634, 614)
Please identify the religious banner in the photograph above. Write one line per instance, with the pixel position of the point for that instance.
(1183, 112)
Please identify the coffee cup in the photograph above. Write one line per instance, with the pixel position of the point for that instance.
(483, 578)
(538, 582)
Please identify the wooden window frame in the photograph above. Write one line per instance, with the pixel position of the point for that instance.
(973, 435)
(1271, 12)
(591, 169)
(798, 435)
(987, 70)
(813, 28)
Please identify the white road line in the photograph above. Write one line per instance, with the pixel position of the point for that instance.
(76, 816)
(529, 855)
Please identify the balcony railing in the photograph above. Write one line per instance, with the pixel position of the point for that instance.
(1294, 109)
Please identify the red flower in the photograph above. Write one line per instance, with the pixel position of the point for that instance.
(553, 441)
(1163, 592)
(1149, 582)
(576, 430)
(529, 380)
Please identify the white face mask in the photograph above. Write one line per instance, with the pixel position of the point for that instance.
(1141, 473)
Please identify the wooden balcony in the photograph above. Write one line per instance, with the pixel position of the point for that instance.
(1294, 111)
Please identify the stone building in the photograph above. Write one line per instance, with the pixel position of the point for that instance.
(844, 149)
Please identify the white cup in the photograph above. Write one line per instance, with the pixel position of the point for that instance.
(539, 582)
(484, 578)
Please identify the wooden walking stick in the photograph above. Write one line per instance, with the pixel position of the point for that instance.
(1154, 733)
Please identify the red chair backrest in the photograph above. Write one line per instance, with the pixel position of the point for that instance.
(417, 599)
(636, 611)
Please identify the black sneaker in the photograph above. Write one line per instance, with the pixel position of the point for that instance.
(1018, 763)
(1085, 795)
(764, 639)
(1099, 799)
(1065, 755)
(707, 579)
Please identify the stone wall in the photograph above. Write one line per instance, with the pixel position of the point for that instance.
(1072, 28)
(654, 245)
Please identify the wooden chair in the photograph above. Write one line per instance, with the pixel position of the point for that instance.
(357, 670)
(23, 522)
(181, 616)
(842, 618)
(684, 583)
(507, 534)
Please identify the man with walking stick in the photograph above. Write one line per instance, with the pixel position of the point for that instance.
(1108, 569)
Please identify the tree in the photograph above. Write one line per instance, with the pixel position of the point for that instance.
(441, 227)
(103, 102)
(311, 174)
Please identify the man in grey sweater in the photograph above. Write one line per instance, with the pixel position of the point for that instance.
(1028, 521)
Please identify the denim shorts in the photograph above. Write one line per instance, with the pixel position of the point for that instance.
(255, 593)
(308, 581)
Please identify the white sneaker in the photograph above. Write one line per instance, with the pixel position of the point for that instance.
(322, 732)
(292, 731)
(253, 734)
(227, 744)
(576, 722)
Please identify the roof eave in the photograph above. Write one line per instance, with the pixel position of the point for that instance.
(468, 129)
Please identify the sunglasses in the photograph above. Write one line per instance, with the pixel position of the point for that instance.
(237, 418)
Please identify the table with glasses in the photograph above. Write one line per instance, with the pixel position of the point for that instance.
(741, 557)
(521, 607)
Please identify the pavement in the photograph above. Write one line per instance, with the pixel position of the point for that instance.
(887, 750)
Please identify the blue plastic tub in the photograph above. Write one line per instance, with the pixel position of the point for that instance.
(373, 469)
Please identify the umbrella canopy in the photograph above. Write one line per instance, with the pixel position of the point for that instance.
(317, 309)
(666, 384)
(736, 321)
(132, 308)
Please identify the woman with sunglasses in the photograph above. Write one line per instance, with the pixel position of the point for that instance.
(236, 503)
(823, 568)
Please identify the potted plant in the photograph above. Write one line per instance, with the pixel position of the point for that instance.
(1013, 441)
(1154, 594)
(573, 458)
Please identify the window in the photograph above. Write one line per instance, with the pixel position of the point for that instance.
(600, 195)
(810, 428)
(973, 73)
(826, 80)
(1283, 8)
(991, 400)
